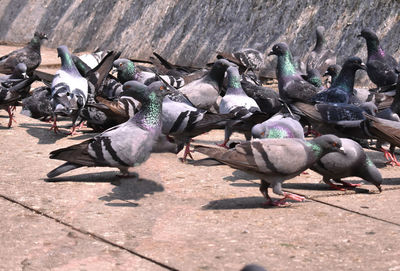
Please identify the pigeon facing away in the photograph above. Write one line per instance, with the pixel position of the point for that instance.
(380, 65)
(30, 55)
(292, 87)
(38, 104)
(342, 87)
(354, 162)
(69, 90)
(123, 146)
(270, 160)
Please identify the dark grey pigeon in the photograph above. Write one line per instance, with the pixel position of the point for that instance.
(38, 105)
(332, 71)
(123, 146)
(278, 126)
(353, 162)
(204, 92)
(320, 58)
(18, 73)
(30, 55)
(69, 90)
(342, 87)
(292, 86)
(380, 65)
(275, 160)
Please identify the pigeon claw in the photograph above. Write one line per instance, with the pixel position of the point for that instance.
(293, 197)
(223, 145)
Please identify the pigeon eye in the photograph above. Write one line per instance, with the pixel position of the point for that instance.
(334, 144)
(120, 64)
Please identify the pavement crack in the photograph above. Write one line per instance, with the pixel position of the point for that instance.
(87, 233)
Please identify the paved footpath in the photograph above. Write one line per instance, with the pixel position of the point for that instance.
(180, 216)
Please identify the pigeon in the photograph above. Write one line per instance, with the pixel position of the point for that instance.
(204, 92)
(93, 59)
(30, 55)
(314, 77)
(278, 126)
(246, 59)
(332, 71)
(183, 122)
(11, 93)
(380, 65)
(320, 58)
(38, 105)
(127, 71)
(267, 99)
(342, 87)
(236, 101)
(292, 87)
(69, 90)
(18, 73)
(353, 162)
(269, 159)
(126, 145)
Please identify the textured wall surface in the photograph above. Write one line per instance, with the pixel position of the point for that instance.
(190, 32)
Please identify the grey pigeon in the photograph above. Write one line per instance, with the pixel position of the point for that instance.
(126, 70)
(353, 162)
(38, 105)
(69, 90)
(292, 86)
(30, 55)
(380, 65)
(342, 87)
(18, 73)
(204, 92)
(278, 126)
(236, 100)
(320, 58)
(271, 160)
(123, 146)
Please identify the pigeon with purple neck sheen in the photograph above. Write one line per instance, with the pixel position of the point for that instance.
(292, 86)
(380, 65)
(272, 160)
(354, 162)
(123, 146)
(30, 55)
(342, 88)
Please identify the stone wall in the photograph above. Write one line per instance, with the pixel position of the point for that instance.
(189, 32)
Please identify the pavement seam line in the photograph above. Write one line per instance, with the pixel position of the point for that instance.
(87, 233)
(349, 210)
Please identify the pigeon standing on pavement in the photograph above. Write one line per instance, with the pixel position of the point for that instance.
(275, 160)
(380, 65)
(354, 162)
(126, 145)
(69, 90)
(30, 55)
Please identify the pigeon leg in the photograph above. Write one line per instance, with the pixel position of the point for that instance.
(270, 202)
(392, 160)
(54, 126)
(290, 196)
(124, 173)
(332, 185)
(187, 152)
(11, 116)
(224, 144)
(348, 185)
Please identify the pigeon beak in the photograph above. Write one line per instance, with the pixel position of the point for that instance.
(271, 53)
(363, 66)
(359, 36)
(379, 187)
(24, 75)
(325, 74)
(341, 150)
(114, 71)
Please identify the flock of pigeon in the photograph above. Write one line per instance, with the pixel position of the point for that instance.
(161, 109)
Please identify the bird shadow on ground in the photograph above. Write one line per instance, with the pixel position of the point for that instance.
(41, 131)
(125, 190)
(241, 203)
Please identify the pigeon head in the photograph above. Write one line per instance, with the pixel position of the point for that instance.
(368, 34)
(37, 40)
(354, 63)
(258, 131)
(332, 70)
(66, 59)
(125, 69)
(40, 35)
(372, 174)
(279, 49)
(233, 77)
(326, 143)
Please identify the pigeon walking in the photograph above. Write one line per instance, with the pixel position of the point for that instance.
(126, 145)
(270, 160)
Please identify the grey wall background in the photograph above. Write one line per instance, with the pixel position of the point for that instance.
(190, 32)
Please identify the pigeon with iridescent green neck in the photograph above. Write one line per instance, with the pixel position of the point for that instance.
(278, 126)
(354, 162)
(126, 145)
(292, 86)
(69, 90)
(275, 160)
(30, 55)
(342, 88)
(380, 65)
